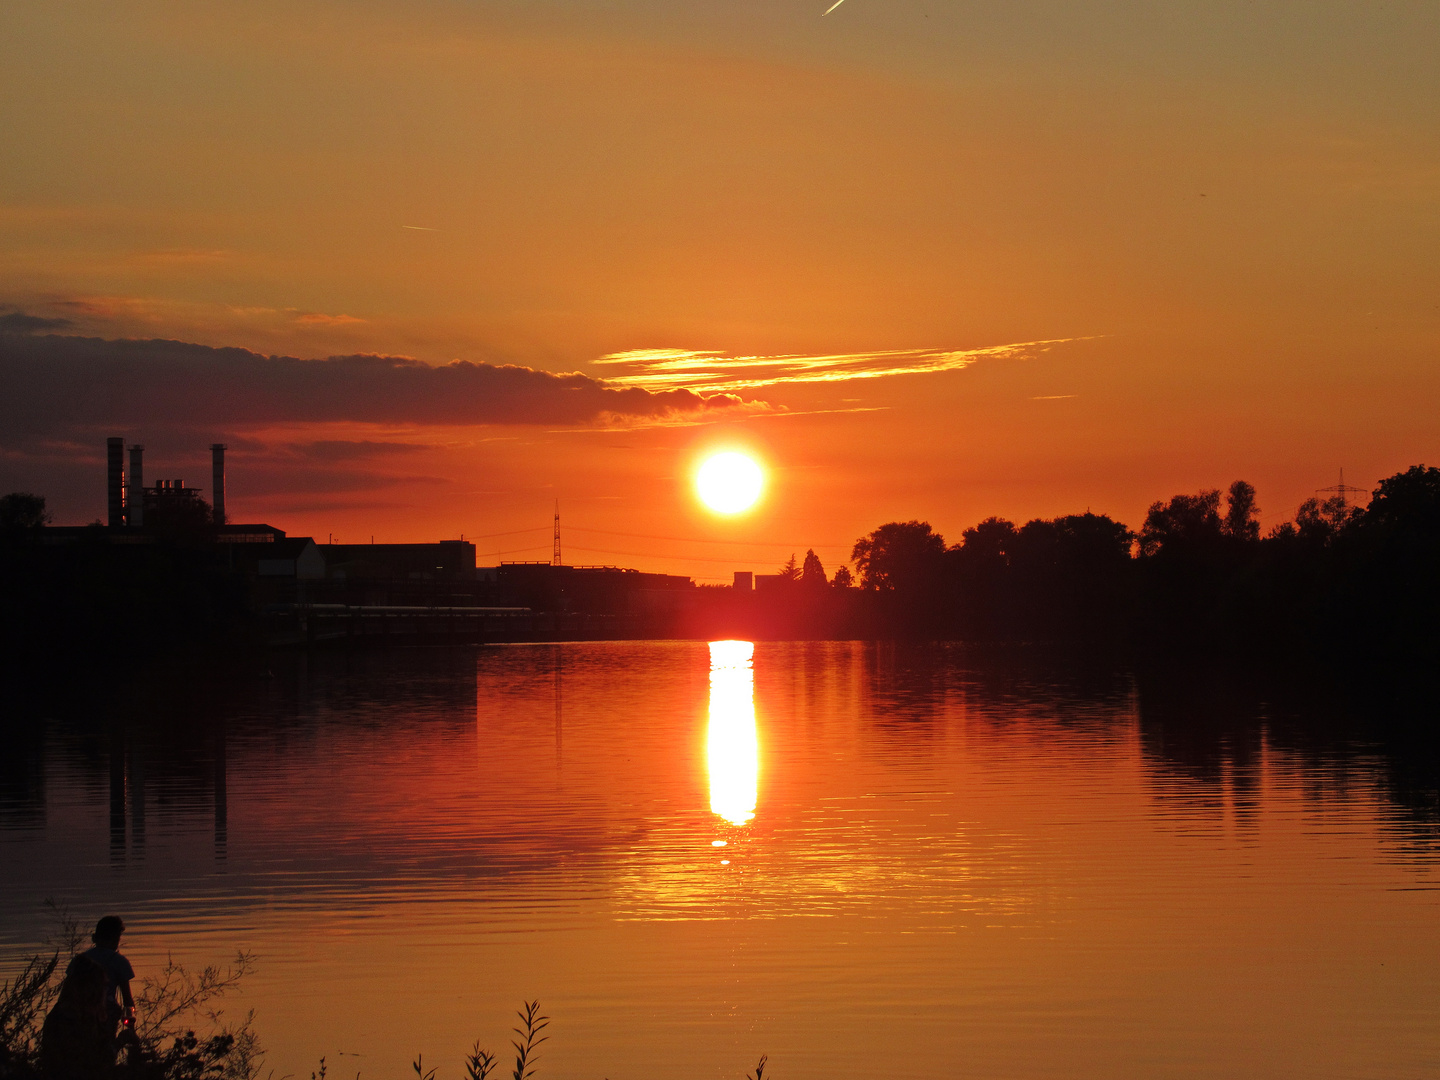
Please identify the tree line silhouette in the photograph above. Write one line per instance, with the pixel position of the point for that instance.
(1198, 575)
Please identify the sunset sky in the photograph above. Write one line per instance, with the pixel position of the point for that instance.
(925, 259)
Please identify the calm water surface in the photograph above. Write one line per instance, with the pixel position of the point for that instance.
(860, 860)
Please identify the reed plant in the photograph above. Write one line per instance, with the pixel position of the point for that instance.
(479, 1063)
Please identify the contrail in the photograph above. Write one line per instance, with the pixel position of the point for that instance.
(832, 7)
(420, 228)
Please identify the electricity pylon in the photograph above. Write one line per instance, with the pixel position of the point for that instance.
(1342, 489)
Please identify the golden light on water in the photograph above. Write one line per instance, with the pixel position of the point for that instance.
(733, 749)
(729, 483)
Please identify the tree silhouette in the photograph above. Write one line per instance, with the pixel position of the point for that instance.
(901, 556)
(1407, 502)
(843, 578)
(1186, 521)
(1321, 522)
(1240, 512)
(989, 542)
(1071, 575)
(1394, 569)
(985, 549)
(791, 570)
(812, 573)
(979, 579)
(22, 514)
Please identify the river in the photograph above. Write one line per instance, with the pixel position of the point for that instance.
(858, 859)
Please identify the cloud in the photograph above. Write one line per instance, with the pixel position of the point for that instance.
(316, 318)
(289, 480)
(188, 256)
(715, 372)
(17, 322)
(52, 383)
(355, 449)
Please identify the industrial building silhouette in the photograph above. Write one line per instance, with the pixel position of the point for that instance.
(311, 590)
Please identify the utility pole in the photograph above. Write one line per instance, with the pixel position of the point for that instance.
(555, 558)
(1342, 489)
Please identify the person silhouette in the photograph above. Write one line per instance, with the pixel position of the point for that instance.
(77, 1040)
(105, 954)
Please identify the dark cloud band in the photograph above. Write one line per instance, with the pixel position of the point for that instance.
(55, 383)
(17, 322)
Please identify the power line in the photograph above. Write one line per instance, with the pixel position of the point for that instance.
(698, 540)
(512, 532)
(517, 551)
(677, 539)
(627, 554)
(554, 546)
(647, 555)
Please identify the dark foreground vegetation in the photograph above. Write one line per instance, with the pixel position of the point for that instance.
(49, 1027)
(41, 1040)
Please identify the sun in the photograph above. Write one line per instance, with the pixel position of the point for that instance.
(729, 483)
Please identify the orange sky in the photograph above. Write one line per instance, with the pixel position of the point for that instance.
(1225, 215)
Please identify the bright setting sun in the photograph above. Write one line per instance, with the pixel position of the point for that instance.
(729, 483)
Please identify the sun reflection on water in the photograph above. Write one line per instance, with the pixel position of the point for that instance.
(733, 750)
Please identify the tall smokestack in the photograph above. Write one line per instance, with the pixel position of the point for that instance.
(217, 480)
(115, 480)
(135, 489)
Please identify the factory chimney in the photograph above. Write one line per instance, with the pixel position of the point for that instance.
(135, 490)
(217, 481)
(115, 480)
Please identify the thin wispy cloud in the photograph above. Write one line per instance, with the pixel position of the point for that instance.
(699, 370)
(319, 318)
(746, 410)
(187, 256)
